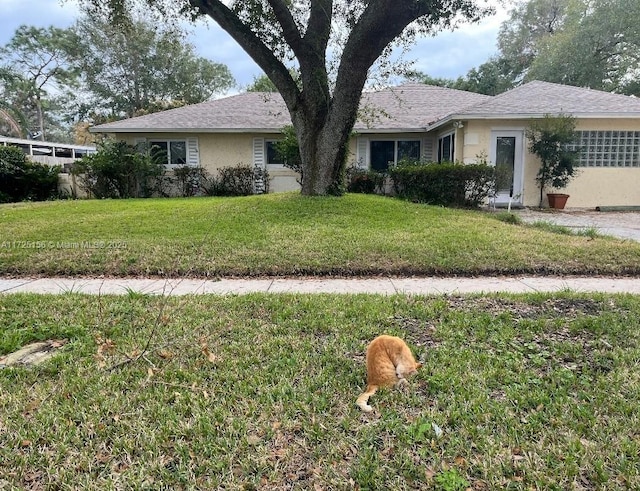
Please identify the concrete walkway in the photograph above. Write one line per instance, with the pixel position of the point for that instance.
(384, 286)
(623, 225)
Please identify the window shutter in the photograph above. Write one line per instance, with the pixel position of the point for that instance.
(259, 158)
(140, 144)
(362, 152)
(259, 164)
(193, 154)
(428, 144)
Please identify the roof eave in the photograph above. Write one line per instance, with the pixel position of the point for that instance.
(486, 116)
(97, 129)
(370, 131)
(605, 115)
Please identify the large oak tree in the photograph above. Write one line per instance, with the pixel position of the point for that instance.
(331, 43)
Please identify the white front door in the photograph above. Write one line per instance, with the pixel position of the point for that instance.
(507, 154)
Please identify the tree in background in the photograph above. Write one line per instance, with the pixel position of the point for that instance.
(333, 44)
(262, 84)
(585, 43)
(489, 78)
(521, 37)
(139, 68)
(36, 77)
(597, 47)
(12, 120)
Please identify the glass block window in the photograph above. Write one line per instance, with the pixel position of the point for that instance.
(608, 148)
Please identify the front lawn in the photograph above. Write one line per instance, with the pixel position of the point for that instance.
(287, 234)
(258, 392)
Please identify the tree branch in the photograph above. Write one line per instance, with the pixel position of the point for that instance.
(380, 23)
(319, 26)
(259, 52)
(288, 24)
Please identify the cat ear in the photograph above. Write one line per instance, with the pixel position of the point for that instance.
(418, 365)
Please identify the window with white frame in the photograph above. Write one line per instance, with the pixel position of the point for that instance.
(446, 147)
(172, 153)
(386, 153)
(607, 148)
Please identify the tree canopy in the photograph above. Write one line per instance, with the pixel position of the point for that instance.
(585, 43)
(138, 68)
(35, 75)
(52, 79)
(331, 43)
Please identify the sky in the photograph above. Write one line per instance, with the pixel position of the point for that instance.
(449, 54)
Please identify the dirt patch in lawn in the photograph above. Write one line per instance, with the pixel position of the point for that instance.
(32, 354)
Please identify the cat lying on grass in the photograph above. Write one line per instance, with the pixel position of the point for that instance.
(389, 362)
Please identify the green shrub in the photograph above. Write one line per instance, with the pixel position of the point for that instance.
(551, 139)
(445, 184)
(240, 180)
(21, 179)
(261, 180)
(288, 150)
(364, 181)
(191, 180)
(119, 170)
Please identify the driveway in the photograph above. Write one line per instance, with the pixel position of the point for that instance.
(621, 224)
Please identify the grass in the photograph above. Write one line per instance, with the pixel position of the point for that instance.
(288, 234)
(258, 391)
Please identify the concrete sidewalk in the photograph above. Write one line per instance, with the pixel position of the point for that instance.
(384, 286)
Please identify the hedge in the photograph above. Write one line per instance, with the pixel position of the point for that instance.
(445, 184)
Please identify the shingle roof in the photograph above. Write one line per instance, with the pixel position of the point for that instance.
(539, 98)
(414, 106)
(409, 107)
(242, 112)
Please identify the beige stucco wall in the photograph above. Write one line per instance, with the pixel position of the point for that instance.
(592, 187)
(217, 150)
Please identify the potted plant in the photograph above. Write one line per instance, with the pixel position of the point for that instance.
(550, 139)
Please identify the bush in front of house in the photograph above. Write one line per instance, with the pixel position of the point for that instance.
(119, 170)
(444, 184)
(23, 180)
(364, 181)
(191, 180)
(239, 180)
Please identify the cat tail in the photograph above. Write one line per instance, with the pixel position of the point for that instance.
(362, 400)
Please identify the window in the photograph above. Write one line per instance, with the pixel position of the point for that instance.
(505, 163)
(608, 148)
(273, 158)
(172, 152)
(446, 147)
(388, 152)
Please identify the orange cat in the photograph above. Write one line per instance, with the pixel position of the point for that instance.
(389, 361)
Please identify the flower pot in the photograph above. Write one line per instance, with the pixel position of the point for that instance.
(557, 200)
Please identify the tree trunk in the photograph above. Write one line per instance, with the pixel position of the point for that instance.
(40, 116)
(323, 151)
(323, 120)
